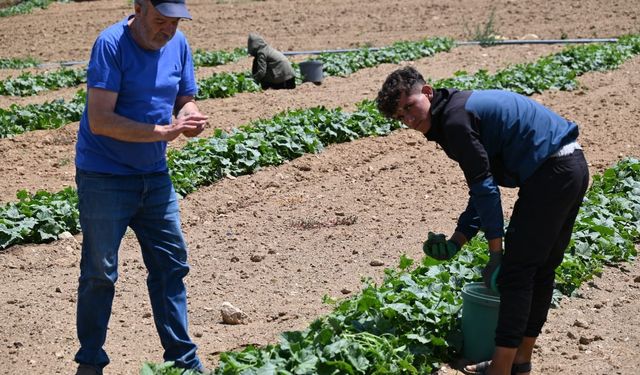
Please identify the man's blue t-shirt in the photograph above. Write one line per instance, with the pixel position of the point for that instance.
(147, 83)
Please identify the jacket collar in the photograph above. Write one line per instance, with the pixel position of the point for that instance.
(438, 103)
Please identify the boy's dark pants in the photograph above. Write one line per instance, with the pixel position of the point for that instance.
(538, 234)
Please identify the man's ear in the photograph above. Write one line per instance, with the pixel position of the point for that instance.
(427, 91)
(137, 8)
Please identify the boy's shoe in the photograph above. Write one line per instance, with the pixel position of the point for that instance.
(88, 370)
(199, 371)
(204, 371)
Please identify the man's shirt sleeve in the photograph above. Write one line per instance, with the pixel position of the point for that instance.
(188, 85)
(104, 69)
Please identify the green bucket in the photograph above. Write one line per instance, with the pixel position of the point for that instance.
(480, 308)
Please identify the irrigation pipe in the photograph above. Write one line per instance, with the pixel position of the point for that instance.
(469, 43)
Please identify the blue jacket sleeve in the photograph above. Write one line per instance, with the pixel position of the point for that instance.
(485, 196)
(469, 221)
(464, 146)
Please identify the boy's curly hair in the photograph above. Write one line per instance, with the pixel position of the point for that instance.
(400, 81)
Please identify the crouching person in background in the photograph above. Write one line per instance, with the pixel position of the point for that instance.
(270, 68)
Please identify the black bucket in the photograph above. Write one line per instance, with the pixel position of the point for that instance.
(311, 71)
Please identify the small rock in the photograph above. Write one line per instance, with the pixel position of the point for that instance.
(580, 323)
(585, 340)
(65, 236)
(571, 335)
(529, 37)
(376, 263)
(58, 290)
(146, 315)
(232, 315)
(197, 334)
(257, 258)
(575, 356)
(235, 259)
(345, 291)
(59, 355)
(637, 279)
(18, 344)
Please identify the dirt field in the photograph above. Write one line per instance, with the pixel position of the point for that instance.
(392, 185)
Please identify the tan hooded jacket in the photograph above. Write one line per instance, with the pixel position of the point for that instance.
(269, 65)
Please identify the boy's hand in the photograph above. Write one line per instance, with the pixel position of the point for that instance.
(438, 247)
(491, 270)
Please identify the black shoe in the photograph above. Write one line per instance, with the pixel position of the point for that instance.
(88, 370)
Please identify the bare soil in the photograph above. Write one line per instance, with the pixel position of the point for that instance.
(246, 244)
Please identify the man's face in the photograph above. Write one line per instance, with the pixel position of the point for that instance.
(414, 108)
(155, 30)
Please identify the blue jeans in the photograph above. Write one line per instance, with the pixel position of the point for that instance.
(148, 204)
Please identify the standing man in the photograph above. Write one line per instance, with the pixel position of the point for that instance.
(500, 138)
(140, 74)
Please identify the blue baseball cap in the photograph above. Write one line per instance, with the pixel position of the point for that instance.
(172, 8)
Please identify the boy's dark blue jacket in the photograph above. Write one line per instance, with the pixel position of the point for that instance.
(499, 138)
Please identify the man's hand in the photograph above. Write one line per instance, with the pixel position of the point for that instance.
(491, 270)
(438, 247)
(189, 125)
(200, 122)
(188, 114)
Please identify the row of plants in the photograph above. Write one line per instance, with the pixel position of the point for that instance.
(410, 323)
(39, 217)
(271, 142)
(28, 83)
(50, 115)
(228, 84)
(344, 64)
(18, 63)
(26, 6)
(558, 71)
(214, 58)
(222, 85)
(291, 134)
